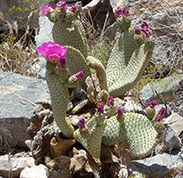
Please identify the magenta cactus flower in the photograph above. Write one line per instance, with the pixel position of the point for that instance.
(62, 5)
(160, 114)
(110, 102)
(125, 12)
(76, 77)
(137, 31)
(122, 12)
(46, 10)
(81, 125)
(73, 9)
(52, 52)
(119, 112)
(118, 12)
(147, 32)
(63, 64)
(152, 103)
(79, 75)
(144, 25)
(100, 108)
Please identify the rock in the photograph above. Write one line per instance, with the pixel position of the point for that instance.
(18, 96)
(41, 141)
(41, 73)
(80, 106)
(10, 17)
(176, 123)
(165, 87)
(83, 165)
(110, 31)
(10, 165)
(61, 169)
(170, 142)
(92, 6)
(157, 166)
(127, 104)
(34, 172)
(60, 146)
(78, 160)
(45, 29)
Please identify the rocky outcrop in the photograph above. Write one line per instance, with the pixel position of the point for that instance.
(166, 87)
(18, 97)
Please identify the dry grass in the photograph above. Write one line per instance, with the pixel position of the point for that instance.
(17, 54)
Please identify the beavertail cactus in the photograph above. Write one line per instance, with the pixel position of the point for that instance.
(58, 81)
(68, 65)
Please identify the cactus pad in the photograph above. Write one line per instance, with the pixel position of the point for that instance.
(71, 34)
(76, 62)
(137, 131)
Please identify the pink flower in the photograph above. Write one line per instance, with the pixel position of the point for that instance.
(110, 102)
(152, 103)
(125, 12)
(51, 51)
(119, 112)
(122, 12)
(147, 32)
(79, 75)
(81, 125)
(73, 9)
(118, 12)
(62, 5)
(144, 25)
(76, 77)
(160, 114)
(46, 10)
(100, 108)
(137, 31)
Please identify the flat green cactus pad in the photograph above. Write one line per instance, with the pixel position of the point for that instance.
(136, 130)
(132, 73)
(120, 56)
(93, 142)
(71, 34)
(59, 98)
(76, 62)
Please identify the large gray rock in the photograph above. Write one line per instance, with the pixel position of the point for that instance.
(44, 35)
(18, 95)
(165, 87)
(169, 143)
(158, 166)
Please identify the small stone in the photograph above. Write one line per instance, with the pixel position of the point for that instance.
(34, 172)
(80, 106)
(60, 146)
(14, 165)
(127, 104)
(62, 169)
(176, 123)
(78, 160)
(169, 142)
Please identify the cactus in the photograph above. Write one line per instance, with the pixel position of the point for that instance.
(129, 57)
(68, 66)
